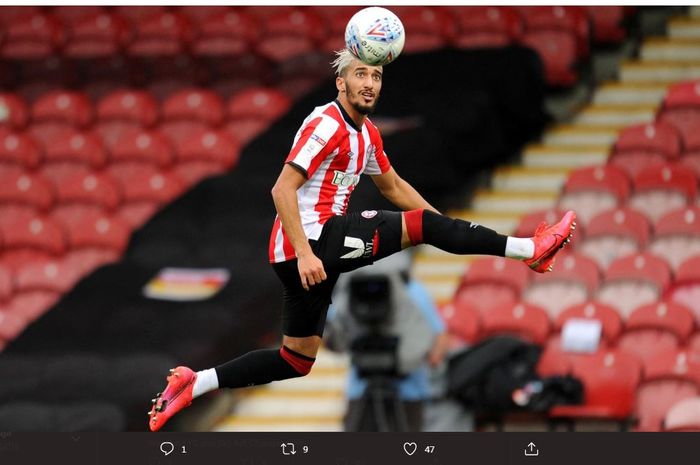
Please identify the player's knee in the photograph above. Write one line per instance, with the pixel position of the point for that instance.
(301, 363)
(413, 220)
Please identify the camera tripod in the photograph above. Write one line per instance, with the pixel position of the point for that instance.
(380, 407)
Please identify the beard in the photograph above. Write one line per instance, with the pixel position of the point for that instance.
(359, 106)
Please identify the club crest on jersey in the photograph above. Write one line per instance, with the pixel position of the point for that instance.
(369, 214)
(318, 139)
(343, 179)
(371, 149)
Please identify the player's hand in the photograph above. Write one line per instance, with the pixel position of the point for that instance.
(310, 270)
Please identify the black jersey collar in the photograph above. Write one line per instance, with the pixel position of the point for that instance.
(346, 117)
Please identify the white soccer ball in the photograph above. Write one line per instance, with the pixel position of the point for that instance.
(375, 36)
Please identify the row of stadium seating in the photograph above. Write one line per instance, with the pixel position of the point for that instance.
(560, 35)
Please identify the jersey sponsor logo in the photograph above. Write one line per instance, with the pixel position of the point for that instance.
(351, 154)
(369, 214)
(343, 179)
(360, 249)
(318, 139)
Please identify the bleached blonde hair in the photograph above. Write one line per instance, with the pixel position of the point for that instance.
(343, 58)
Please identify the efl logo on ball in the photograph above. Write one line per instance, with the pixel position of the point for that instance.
(375, 36)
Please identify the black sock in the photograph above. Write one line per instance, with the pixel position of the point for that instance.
(254, 368)
(461, 237)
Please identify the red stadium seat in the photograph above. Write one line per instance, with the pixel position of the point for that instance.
(336, 22)
(615, 233)
(14, 113)
(137, 14)
(609, 378)
(6, 284)
(677, 235)
(300, 75)
(11, 326)
(694, 342)
(9, 13)
(47, 275)
(644, 145)
(226, 34)
(528, 223)
(98, 35)
(131, 105)
(70, 15)
(161, 34)
(91, 189)
(72, 153)
(681, 106)
(634, 280)
(194, 104)
(686, 288)
(18, 150)
(659, 191)
(57, 111)
(198, 14)
(492, 281)
(101, 232)
(574, 280)
(34, 36)
(29, 306)
(526, 321)
(611, 323)
(430, 28)
(684, 416)
(144, 193)
(553, 361)
(561, 19)
(263, 13)
(557, 49)
(261, 103)
(486, 26)
(462, 321)
(289, 34)
(215, 147)
(26, 189)
(85, 260)
(668, 377)
(141, 147)
(12, 212)
(594, 189)
(607, 23)
(31, 239)
(654, 328)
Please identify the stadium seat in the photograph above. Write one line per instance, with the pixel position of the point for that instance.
(684, 416)
(657, 327)
(250, 112)
(431, 28)
(611, 323)
(194, 104)
(529, 322)
(30, 239)
(607, 23)
(486, 26)
(57, 111)
(492, 281)
(553, 360)
(138, 148)
(557, 50)
(72, 152)
(160, 34)
(53, 275)
(211, 147)
(91, 189)
(677, 235)
(642, 145)
(528, 223)
(298, 76)
(634, 280)
(30, 305)
(97, 35)
(686, 287)
(99, 231)
(6, 284)
(131, 105)
(594, 189)
(138, 13)
(336, 20)
(199, 13)
(290, 33)
(14, 112)
(681, 106)
(18, 152)
(69, 15)
(144, 193)
(568, 19)
(668, 378)
(11, 13)
(659, 191)
(225, 34)
(10, 327)
(613, 234)
(574, 280)
(609, 378)
(462, 320)
(694, 343)
(32, 37)
(26, 189)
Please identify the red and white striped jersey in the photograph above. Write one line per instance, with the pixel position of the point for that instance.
(332, 153)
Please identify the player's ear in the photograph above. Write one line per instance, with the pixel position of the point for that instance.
(340, 84)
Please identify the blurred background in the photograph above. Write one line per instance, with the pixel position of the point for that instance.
(138, 146)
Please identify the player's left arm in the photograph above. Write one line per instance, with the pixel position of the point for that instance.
(399, 192)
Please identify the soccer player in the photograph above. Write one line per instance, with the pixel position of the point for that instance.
(313, 240)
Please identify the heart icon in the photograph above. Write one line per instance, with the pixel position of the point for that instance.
(410, 447)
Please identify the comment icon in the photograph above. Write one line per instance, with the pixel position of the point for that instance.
(167, 448)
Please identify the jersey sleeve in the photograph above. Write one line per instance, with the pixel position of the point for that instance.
(313, 143)
(378, 162)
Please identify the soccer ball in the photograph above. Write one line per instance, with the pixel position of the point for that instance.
(375, 36)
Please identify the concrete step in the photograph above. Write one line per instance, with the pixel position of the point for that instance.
(426, 267)
(662, 72)
(549, 156)
(514, 203)
(301, 423)
(685, 27)
(675, 49)
(580, 135)
(618, 93)
(527, 180)
(605, 115)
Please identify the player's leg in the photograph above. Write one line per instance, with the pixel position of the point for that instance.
(303, 319)
(464, 237)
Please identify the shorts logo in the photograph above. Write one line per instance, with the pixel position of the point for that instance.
(344, 179)
(360, 249)
(369, 214)
(318, 139)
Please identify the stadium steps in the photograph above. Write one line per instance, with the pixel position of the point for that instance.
(553, 156)
(617, 93)
(522, 179)
(664, 72)
(662, 49)
(616, 115)
(565, 135)
(686, 27)
(315, 402)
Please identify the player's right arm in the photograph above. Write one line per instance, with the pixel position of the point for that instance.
(284, 194)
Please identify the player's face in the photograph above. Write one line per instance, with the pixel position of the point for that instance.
(362, 86)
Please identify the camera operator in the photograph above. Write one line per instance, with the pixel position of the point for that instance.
(415, 325)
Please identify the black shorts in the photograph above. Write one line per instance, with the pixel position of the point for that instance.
(346, 243)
